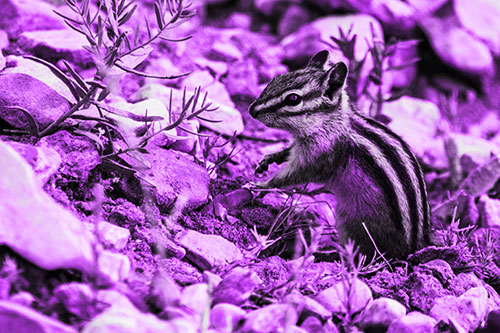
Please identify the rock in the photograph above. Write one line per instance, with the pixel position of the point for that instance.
(208, 251)
(38, 71)
(215, 89)
(479, 150)
(423, 288)
(309, 39)
(440, 269)
(239, 20)
(113, 268)
(122, 316)
(334, 298)
(493, 322)
(21, 319)
(271, 318)
(271, 7)
(465, 312)
(113, 235)
(219, 68)
(229, 119)
(43, 103)
(397, 16)
(176, 179)
(57, 44)
(480, 19)
(416, 121)
(456, 47)
(163, 290)
(307, 306)
(294, 17)
(381, 313)
(224, 51)
(241, 81)
(51, 237)
(23, 298)
(2, 59)
(236, 287)
(413, 322)
(77, 298)
(196, 297)
(234, 200)
(225, 317)
(79, 155)
(426, 7)
(482, 178)
(182, 272)
(28, 15)
(44, 160)
(404, 77)
(489, 210)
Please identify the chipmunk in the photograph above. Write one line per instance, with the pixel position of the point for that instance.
(371, 170)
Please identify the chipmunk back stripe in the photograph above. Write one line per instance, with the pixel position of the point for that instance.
(418, 173)
(370, 166)
(397, 163)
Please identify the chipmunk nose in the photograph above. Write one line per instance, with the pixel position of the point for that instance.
(252, 111)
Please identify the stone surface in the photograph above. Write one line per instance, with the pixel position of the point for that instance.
(381, 313)
(44, 160)
(77, 298)
(42, 102)
(481, 19)
(416, 121)
(79, 155)
(229, 119)
(122, 316)
(456, 47)
(236, 287)
(426, 7)
(335, 298)
(307, 306)
(493, 322)
(50, 237)
(177, 180)
(271, 318)
(489, 209)
(196, 297)
(21, 319)
(465, 312)
(224, 317)
(113, 235)
(414, 322)
(28, 15)
(19, 64)
(57, 44)
(208, 251)
(113, 267)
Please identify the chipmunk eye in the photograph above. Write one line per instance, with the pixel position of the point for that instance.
(292, 100)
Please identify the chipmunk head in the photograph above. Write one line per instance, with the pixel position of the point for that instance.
(302, 100)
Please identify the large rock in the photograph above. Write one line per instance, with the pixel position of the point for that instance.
(176, 178)
(28, 15)
(21, 319)
(480, 17)
(381, 313)
(413, 322)
(18, 64)
(42, 102)
(50, 237)
(208, 251)
(57, 44)
(354, 292)
(271, 318)
(465, 312)
(457, 47)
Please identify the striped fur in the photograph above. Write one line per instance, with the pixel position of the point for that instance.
(372, 171)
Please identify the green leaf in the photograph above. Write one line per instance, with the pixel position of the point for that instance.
(34, 130)
(127, 16)
(92, 137)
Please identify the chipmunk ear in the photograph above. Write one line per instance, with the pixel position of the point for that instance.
(319, 59)
(335, 79)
